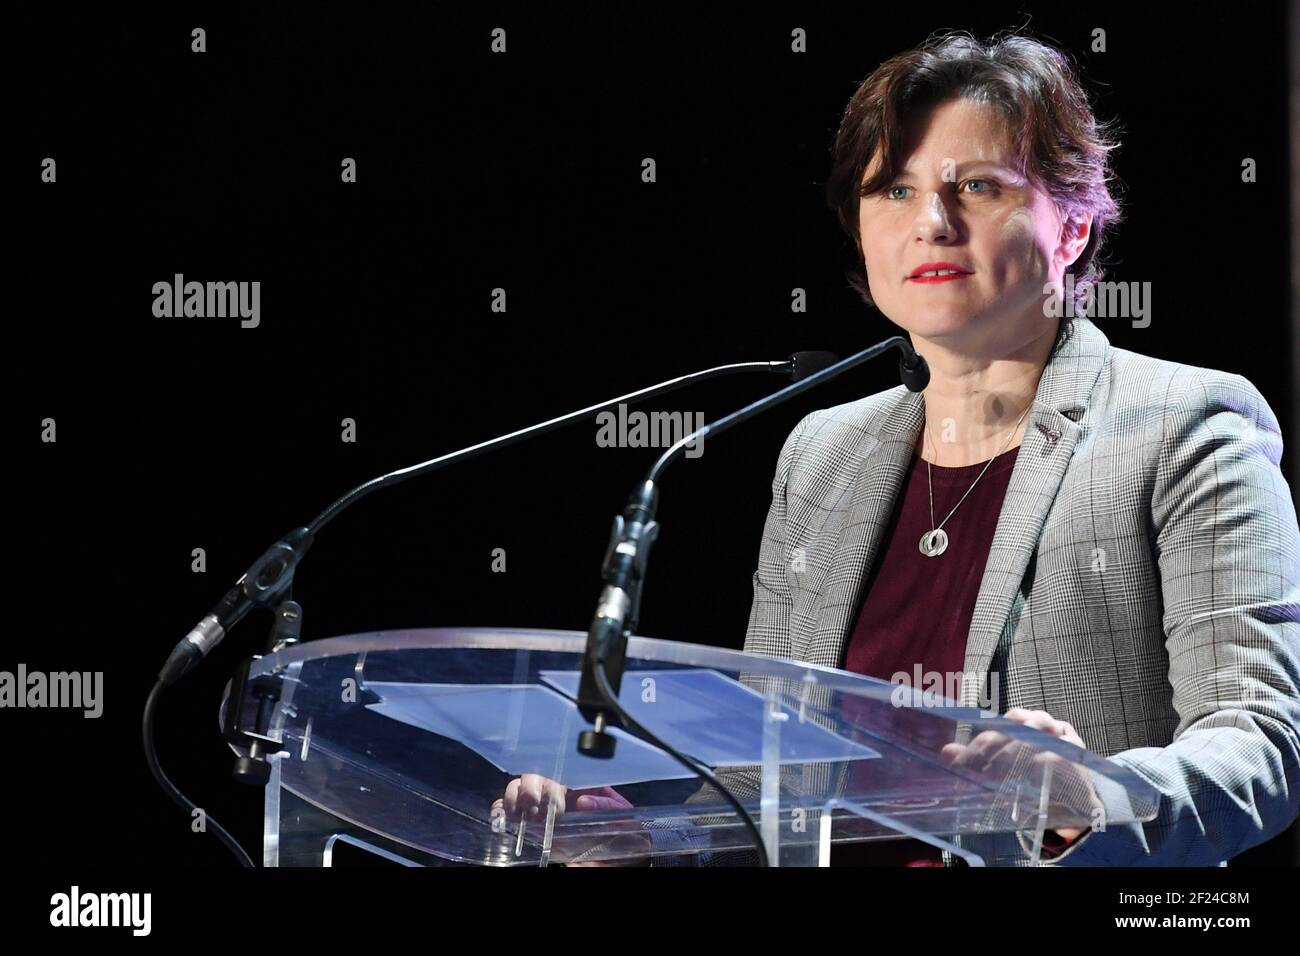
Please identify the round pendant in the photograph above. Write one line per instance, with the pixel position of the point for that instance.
(934, 543)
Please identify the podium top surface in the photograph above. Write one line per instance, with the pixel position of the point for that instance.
(415, 736)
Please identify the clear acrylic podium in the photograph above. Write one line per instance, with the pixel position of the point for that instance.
(402, 742)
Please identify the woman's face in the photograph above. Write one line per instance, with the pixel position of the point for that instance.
(959, 200)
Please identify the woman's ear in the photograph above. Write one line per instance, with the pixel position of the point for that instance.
(1075, 233)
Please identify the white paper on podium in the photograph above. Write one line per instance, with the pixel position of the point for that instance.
(699, 712)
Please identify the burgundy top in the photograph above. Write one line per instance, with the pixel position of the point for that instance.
(892, 635)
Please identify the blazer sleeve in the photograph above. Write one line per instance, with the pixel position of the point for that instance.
(768, 632)
(1228, 547)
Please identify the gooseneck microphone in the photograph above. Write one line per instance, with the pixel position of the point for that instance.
(624, 567)
(268, 581)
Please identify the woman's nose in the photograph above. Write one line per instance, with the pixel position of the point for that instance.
(933, 221)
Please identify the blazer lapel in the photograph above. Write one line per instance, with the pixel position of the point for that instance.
(1058, 422)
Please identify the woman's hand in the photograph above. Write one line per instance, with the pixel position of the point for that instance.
(1042, 720)
(529, 796)
(988, 746)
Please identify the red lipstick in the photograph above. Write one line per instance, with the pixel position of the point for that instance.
(939, 272)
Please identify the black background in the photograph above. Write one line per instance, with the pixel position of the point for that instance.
(476, 171)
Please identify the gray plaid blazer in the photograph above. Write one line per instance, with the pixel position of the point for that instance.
(1143, 583)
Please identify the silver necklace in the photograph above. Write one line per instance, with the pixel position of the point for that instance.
(935, 542)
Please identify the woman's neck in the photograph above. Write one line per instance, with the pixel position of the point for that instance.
(977, 408)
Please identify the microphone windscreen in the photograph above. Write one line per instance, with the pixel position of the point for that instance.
(810, 363)
(914, 371)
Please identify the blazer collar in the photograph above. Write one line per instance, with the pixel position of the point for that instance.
(1059, 417)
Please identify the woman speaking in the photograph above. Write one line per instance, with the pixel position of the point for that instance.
(1100, 541)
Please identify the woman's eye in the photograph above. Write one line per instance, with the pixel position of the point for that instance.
(988, 185)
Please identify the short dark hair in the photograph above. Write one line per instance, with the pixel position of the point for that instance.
(1061, 146)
